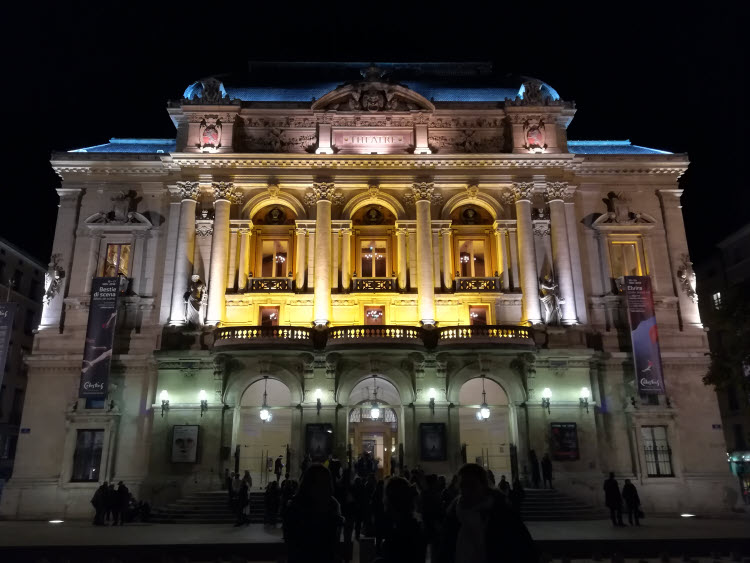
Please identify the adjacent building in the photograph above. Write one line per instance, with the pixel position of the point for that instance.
(412, 261)
(724, 280)
(21, 282)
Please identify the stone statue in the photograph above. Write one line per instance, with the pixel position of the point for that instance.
(53, 279)
(196, 299)
(686, 276)
(550, 298)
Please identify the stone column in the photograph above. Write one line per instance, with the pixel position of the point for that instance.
(183, 267)
(513, 244)
(502, 256)
(95, 243)
(575, 257)
(323, 195)
(346, 257)
(224, 195)
(436, 257)
(335, 259)
(530, 305)
(555, 194)
(681, 268)
(447, 255)
(244, 264)
(423, 194)
(311, 259)
(300, 259)
(232, 266)
(401, 242)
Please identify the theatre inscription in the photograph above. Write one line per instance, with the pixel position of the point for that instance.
(369, 141)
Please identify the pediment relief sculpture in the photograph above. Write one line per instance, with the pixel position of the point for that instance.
(120, 214)
(619, 213)
(372, 94)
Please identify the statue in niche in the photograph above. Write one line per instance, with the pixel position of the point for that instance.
(373, 216)
(470, 216)
(196, 298)
(120, 208)
(686, 277)
(275, 217)
(617, 208)
(551, 300)
(53, 279)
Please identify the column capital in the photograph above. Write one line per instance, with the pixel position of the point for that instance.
(226, 191)
(245, 230)
(522, 191)
(401, 231)
(556, 191)
(346, 231)
(300, 231)
(670, 193)
(446, 231)
(423, 191)
(323, 191)
(189, 190)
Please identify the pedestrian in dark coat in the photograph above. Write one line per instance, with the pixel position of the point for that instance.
(613, 500)
(632, 502)
(481, 526)
(547, 471)
(404, 540)
(110, 503)
(535, 476)
(120, 503)
(278, 468)
(312, 521)
(99, 502)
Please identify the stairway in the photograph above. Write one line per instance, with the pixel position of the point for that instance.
(208, 507)
(549, 504)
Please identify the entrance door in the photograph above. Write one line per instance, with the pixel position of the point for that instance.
(377, 438)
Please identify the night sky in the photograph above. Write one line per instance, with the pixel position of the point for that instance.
(672, 81)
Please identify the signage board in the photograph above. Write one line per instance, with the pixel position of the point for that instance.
(100, 337)
(644, 335)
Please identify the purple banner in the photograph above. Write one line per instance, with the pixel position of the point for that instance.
(100, 336)
(7, 314)
(644, 335)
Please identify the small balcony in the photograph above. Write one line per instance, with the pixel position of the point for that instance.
(264, 336)
(270, 285)
(373, 285)
(482, 335)
(478, 284)
(375, 334)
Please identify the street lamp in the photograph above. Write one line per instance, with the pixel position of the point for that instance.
(484, 409)
(203, 398)
(318, 403)
(265, 414)
(546, 396)
(431, 394)
(164, 396)
(374, 409)
(584, 398)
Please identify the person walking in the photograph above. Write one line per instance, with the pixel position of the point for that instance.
(535, 477)
(503, 486)
(228, 479)
(404, 540)
(278, 468)
(632, 502)
(110, 502)
(248, 479)
(613, 500)
(480, 526)
(312, 521)
(242, 504)
(120, 504)
(99, 502)
(546, 471)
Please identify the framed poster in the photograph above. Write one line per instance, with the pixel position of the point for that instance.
(319, 441)
(564, 441)
(432, 442)
(185, 443)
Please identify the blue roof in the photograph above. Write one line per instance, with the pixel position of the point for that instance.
(276, 94)
(136, 146)
(610, 147)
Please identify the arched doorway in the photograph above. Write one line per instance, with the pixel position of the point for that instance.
(487, 440)
(374, 437)
(260, 442)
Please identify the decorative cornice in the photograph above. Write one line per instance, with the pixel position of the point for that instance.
(189, 190)
(323, 191)
(522, 191)
(226, 191)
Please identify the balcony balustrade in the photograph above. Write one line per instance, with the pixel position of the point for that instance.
(270, 285)
(478, 284)
(365, 335)
(373, 285)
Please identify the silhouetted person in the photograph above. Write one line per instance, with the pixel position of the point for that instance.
(535, 476)
(431, 505)
(613, 500)
(516, 496)
(503, 486)
(242, 503)
(120, 503)
(547, 471)
(306, 462)
(403, 538)
(313, 520)
(99, 501)
(278, 468)
(272, 498)
(228, 478)
(377, 510)
(227, 484)
(110, 503)
(481, 526)
(491, 478)
(360, 500)
(632, 502)
(450, 492)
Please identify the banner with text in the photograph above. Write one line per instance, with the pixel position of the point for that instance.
(100, 336)
(644, 335)
(7, 314)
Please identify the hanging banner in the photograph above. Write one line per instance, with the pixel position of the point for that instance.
(100, 335)
(644, 335)
(7, 314)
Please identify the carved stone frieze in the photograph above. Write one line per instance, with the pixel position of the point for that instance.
(541, 229)
(227, 191)
(189, 190)
(686, 277)
(53, 279)
(208, 91)
(466, 141)
(276, 139)
(204, 230)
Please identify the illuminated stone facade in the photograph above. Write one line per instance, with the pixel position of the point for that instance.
(435, 236)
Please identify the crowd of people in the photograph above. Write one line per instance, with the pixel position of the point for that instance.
(117, 506)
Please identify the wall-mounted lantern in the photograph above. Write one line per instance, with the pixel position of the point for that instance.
(431, 393)
(318, 403)
(584, 398)
(203, 398)
(546, 396)
(164, 396)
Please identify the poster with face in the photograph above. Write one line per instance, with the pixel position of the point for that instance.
(564, 437)
(432, 442)
(185, 443)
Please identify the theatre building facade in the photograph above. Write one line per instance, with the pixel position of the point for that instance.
(412, 261)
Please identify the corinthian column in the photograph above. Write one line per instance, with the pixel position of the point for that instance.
(300, 259)
(447, 262)
(244, 264)
(323, 195)
(346, 255)
(183, 267)
(555, 196)
(423, 194)
(530, 306)
(224, 195)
